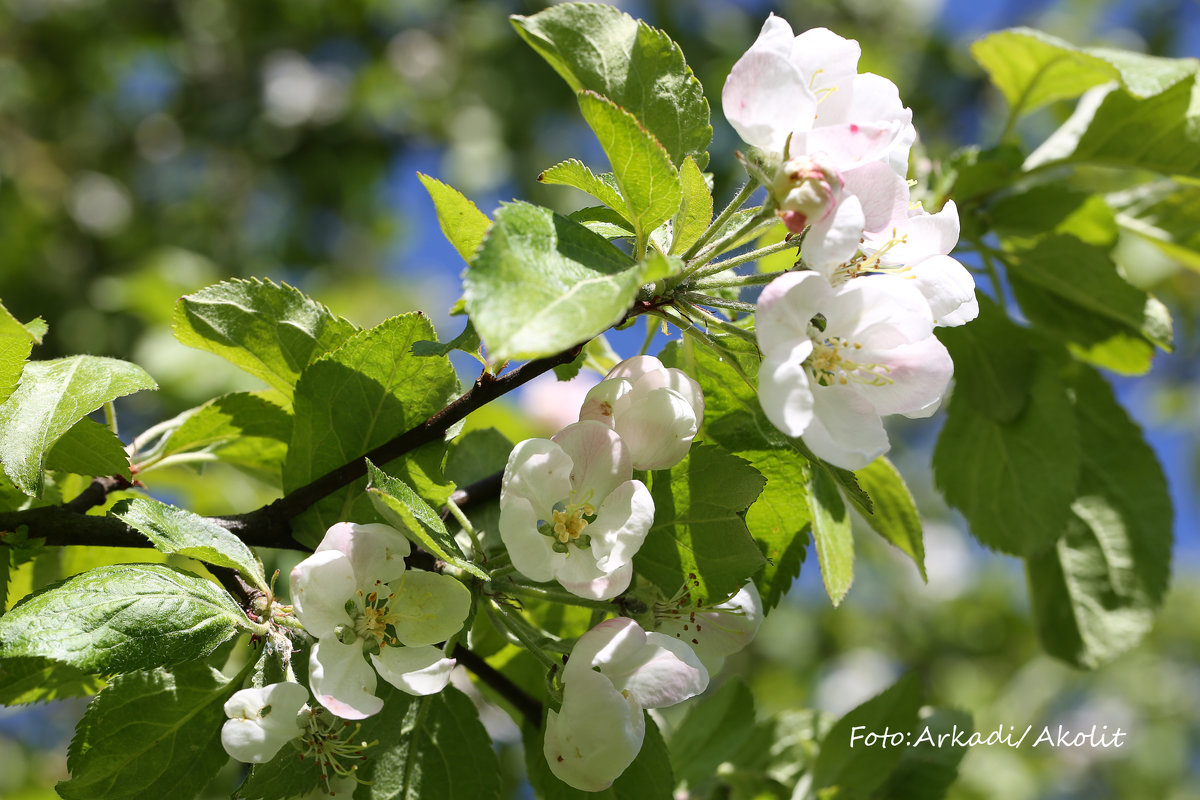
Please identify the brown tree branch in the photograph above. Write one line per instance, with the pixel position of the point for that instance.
(269, 526)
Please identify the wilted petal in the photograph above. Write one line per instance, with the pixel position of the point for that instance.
(321, 585)
(596, 734)
(416, 670)
(342, 680)
(429, 607)
(376, 551)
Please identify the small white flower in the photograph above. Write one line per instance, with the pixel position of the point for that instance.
(917, 246)
(716, 631)
(356, 598)
(836, 359)
(261, 721)
(570, 511)
(656, 410)
(614, 672)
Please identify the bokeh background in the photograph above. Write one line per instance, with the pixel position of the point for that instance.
(150, 148)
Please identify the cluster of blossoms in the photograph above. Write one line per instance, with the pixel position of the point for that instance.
(571, 511)
(369, 614)
(850, 340)
(570, 508)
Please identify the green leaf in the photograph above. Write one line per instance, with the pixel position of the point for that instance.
(467, 341)
(240, 415)
(699, 537)
(429, 747)
(1013, 481)
(363, 394)
(271, 331)
(404, 509)
(53, 396)
(993, 362)
(1095, 592)
(150, 734)
(603, 221)
(647, 778)
(1033, 68)
(848, 764)
(604, 50)
(927, 768)
(696, 210)
(712, 730)
(575, 173)
(542, 283)
(463, 224)
(896, 518)
(779, 519)
(122, 618)
(39, 680)
(1166, 213)
(973, 172)
(16, 343)
(1055, 208)
(176, 531)
(831, 534)
(1116, 129)
(1085, 277)
(89, 448)
(642, 169)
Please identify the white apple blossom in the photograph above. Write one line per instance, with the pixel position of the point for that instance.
(656, 410)
(263, 720)
(712, 631)
(354, 595)
(837, 141)
(571, 512)
(614, 672)
(917, 246)
(837, 359)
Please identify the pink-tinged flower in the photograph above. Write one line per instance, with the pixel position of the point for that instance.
(917, 246)
(261, 721)
(614, 672)
(370, 615)
(838, 141)
(570, 511)
(712, 631)
(837, 359)
(656, 410)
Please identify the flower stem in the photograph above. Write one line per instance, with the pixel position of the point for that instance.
(717, 224)
(757, 279)
(552, 595)
(727, 241)
(717, 302)
(522, 631)
(721, 266)
(716, 322)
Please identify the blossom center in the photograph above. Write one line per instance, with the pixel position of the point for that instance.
(375, 620)
(832, 362)
(569, 523)
(325, 740)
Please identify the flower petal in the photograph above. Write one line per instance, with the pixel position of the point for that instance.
(429, 607)
(621, 525)
(416, 670)
(376, 551)
(657, 425)
(321, 585)
(600, 460)
(766, 96)
(605, 586)
(918, 375)
(846, 431)
(834, 239)
(786, 308)
(784, 390)
(539, 471)
(531, 552)
(342, 680)
(948, 288)
(596, 734)
(262, 720)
